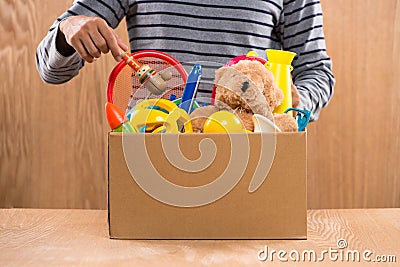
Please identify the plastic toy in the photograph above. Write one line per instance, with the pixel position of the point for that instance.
(223, 122)
(249, 56)
(279, 63)
(116, 119)
(147, 76)
(189, 93)
(302, 117)
(147, 120)
(178, 120)
(159, 116)
(200, 115)
(177, 101)
(121, 86)
(264, 125)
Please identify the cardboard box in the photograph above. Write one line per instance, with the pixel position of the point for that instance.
(276, 210)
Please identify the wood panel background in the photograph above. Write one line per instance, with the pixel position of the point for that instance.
(53, 138)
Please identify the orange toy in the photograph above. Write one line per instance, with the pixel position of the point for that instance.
(117, 120)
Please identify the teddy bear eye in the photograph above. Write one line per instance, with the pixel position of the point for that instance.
(245, 85)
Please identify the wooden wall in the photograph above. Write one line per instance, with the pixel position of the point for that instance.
(53, 138)
(354, 149)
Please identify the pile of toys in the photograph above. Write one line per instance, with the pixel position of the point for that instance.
(250, 95)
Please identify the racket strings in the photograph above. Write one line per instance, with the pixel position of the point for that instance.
(128, 90)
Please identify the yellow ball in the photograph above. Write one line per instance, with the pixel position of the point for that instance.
(223, 122)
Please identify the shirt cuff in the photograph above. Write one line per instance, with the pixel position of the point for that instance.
(56, 59)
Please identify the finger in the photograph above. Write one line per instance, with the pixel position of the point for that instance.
(296, 104)
(99, 42)
(90, 46)
(80, 49)
(121, 44)
(112, 44)
(295, 96)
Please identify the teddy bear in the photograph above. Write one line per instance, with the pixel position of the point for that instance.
(246, 88)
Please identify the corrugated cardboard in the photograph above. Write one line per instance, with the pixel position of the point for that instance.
(276, 210)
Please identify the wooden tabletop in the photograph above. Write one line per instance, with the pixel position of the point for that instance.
(30, 237)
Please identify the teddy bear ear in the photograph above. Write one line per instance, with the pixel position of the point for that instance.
(218, 74)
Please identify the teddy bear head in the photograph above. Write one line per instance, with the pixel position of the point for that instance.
(244, 79)
(248, 85)
(263, 79)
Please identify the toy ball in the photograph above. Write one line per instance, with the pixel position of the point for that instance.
(223, 122)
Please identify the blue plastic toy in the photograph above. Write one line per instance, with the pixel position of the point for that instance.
(189, 93)
(302, 117)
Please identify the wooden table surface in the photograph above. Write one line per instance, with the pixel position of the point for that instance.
(30, 237)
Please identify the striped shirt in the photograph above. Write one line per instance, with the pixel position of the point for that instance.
(210, 31)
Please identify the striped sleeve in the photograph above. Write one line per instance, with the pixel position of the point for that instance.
(55, 68)
(301, 31)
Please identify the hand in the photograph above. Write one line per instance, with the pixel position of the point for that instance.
(295, 96)
(89, 37)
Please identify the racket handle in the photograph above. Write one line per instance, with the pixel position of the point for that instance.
(130, 60)
(147, 76)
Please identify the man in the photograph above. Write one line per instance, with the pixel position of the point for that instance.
(194, 31)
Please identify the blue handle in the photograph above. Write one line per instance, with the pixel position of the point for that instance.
(303, 117)
(189, 93)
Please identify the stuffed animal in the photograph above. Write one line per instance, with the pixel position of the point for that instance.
(248, 88)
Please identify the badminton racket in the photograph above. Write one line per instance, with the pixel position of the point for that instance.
(124, 89)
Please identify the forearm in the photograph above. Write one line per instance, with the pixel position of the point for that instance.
(56, 60)
(316, 89)
(302, 33)
(56, 64)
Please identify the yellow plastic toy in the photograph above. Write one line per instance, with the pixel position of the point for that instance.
(145, 120)
(155, 102)
(223, 122)
(279, 63)
(159, 116)
(177, 119)
(252, 54)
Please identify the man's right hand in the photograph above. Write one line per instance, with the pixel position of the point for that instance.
(89, 37)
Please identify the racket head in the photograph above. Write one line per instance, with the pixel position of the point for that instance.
(123, 85)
